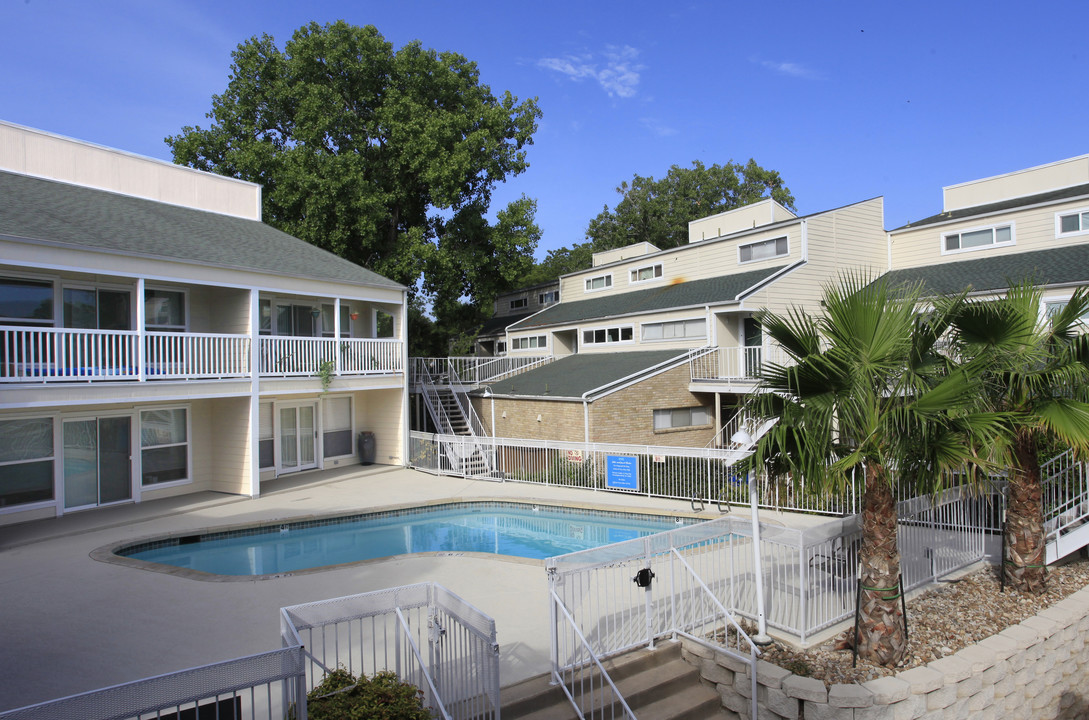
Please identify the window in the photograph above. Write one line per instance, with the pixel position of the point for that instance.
(265, 309)
(607, 335)
(1073, 223)
(297, 320)
(1052, 308)
(97, 309)
(675, 330)
(681, 417)
(519, 303)
(26, 461)
(978, 238)
(752, 252)
(328, 312)
(527, 343)
(599, 283)
(336, 426)
(164, 310)
(164, 446)
(266, 444)
(649, 272)
(547, 298)
(26, 302)
(500, 347)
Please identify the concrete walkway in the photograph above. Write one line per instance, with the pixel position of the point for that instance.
(70, 623)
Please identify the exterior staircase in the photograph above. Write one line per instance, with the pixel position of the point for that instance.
(657, 685)
(1066, 505)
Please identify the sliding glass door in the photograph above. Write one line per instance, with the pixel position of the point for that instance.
(97, 461)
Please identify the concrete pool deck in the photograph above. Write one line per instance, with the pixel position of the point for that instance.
(71, 624)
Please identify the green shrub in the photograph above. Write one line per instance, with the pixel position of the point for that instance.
(382, 697)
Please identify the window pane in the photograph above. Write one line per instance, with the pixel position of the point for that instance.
(337, 443)
(976, 238)
(1003, 234)
(162, 427)
(345, 321)
(588, 336)
(266, 453)
(26, 300)
(652, 332)
(264, 421)
(746, 253)
(113, 310)
(26, 439)
(165, 464)
(336, 414)
(328, 323)
(265, 311)
(781, 246)
(952, 242)
(625, 334)
(1068, 223)
(26, 483)
(80, 308)
(599, 336)
(165, 308)
(662, 419)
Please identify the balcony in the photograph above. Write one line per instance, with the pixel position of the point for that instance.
(49, 355)
(735, 365)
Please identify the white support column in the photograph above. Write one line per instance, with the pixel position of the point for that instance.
(141, 329)
(255, 393)
(400, 330)
(336, 336)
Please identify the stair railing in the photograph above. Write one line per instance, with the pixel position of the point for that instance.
(1065, 495)
(583, 678)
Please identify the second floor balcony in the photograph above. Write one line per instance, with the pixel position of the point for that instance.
(65, 355)
(739, 365)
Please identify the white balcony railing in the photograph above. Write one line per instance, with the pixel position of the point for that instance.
(40, 355)
(295, 356)
(736, 363)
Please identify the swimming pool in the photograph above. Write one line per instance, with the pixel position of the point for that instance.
(498, 528)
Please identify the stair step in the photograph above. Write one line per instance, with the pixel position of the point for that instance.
(657, 685)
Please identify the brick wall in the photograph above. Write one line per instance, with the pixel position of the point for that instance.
(1036, 669)
(624, 417)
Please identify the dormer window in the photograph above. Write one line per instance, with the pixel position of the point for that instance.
(518, 304)
(645, 273)
(764, 250)
(1072, 223)
(547, 298)
(600, 282)
(977, 238)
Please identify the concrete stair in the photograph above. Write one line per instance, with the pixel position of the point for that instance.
(657, 685)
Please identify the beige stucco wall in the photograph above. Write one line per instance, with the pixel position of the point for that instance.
(1020, 183)
(41, 154)
(850, 239)
(732, 221)
(1033, 229)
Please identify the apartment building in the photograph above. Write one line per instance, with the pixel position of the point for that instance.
(156, 338)
(659, 347)
(510, 308)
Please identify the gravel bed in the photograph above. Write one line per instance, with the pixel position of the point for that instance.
(941, 621)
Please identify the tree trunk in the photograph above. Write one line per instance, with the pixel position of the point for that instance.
(1025, 562)
(881, 637)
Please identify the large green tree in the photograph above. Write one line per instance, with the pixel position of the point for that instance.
(658, 211)
(866, 389)
(1037, 372)
(387, 157)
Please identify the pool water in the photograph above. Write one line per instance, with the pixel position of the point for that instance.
(518, 529)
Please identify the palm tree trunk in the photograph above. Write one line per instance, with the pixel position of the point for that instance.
(1025, 562)
(882, 639)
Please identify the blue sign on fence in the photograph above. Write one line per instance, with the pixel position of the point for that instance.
(622, 472)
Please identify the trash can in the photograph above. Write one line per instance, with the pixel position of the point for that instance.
(365, 444)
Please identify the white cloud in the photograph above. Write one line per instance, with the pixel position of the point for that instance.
(617, 72)
(791, 69)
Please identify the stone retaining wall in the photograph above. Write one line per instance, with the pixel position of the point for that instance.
(1038, 669)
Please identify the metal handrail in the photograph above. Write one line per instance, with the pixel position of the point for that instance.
(558, 603)
(423, 667)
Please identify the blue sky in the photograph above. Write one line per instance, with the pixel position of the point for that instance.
(847, 100)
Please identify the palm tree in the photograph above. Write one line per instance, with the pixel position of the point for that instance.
(867, 388)
(1035, 367)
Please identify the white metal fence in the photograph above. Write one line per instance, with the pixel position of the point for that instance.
(196, 355)
(704, 475)
(427, 635)
(1066, 504)
(268, 685)
(736, 363)
(40, 354)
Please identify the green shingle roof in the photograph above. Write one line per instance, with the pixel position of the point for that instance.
(724, 288)
(497, 324)
(1052, 196)
(56, 212)
(571, 376)
(1056, 266)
